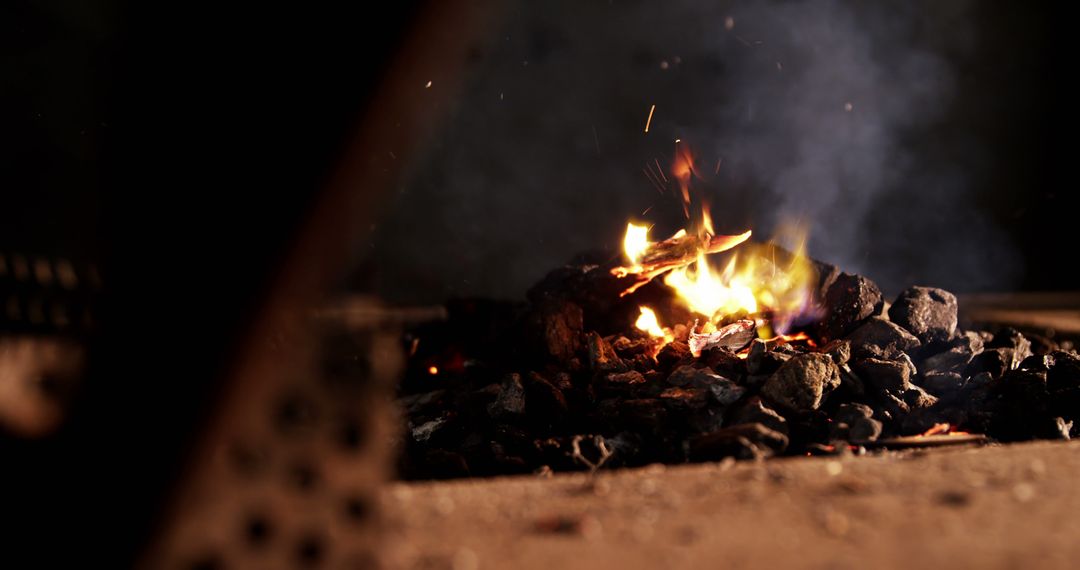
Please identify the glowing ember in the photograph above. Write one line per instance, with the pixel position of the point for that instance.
(649, 120)
(433, 370)
(942, 429)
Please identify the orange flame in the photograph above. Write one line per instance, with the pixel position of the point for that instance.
(942, 429)
(648, 323)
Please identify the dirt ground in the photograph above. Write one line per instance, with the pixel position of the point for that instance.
(1012, 506)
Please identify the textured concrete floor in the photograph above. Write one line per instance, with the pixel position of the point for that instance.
(990, 507)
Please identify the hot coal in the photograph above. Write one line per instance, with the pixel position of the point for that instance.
(567, 382)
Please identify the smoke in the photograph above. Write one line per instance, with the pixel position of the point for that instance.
(834, 114)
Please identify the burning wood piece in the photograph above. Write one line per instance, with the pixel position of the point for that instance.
(734, 336)
(677, 252)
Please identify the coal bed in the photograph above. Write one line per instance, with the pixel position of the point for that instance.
(568, 381)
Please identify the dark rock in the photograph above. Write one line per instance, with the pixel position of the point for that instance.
(850, 300)
(684, 399)
(852, 412)
(1040, 345)
(1024, 407)
(994, 361)
(426, 431)
(558, 325)
(803, 382)
(743, 441)
(693, 376)
(725, 392)
(917, 398)
(724, 361)
(1037, 363)
(1064, 373)
(545, 401)
(626, 348)
(968, 341)
(865, 429)
(1011, 338)
(927, 313)
(891, 375)
(953, 360)
(672, 353)
(884, 336)
(851, 383)
(761, 360)
(839, 350)
(510, 403)
(422, 404)
(623, 379)
(601, 356)
(942, 384)
(646, 414)
(755, 410)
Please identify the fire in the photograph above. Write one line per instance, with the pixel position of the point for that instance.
(636, 242)
(751, 283)
(942, 429)
(648, 323)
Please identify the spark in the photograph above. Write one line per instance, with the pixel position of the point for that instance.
(649, 120)
(596, 139)
(428, 86)
(433, 370)
(656, 184)
(660, 170)
(718, 162)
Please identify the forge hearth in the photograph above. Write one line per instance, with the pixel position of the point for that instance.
(579, 377)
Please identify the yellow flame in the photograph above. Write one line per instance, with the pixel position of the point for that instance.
(647, 322)
(636, 242)
(710, 294)
(751, 282)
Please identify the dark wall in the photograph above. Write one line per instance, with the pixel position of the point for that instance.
(945, 170)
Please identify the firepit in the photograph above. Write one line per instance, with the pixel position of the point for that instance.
(662, 354)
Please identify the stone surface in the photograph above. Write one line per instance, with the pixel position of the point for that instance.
(883, 335)
(926, 312)
(850, 300)
(991, 507)
(802, 382)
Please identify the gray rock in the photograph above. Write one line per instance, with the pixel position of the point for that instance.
(880, 333)
(755, 410)
(865, 429)
(802, 383)
(510, 403)
(851, 299)
(885, 375)
(926, 312)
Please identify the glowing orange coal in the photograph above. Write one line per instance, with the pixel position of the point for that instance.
(942, 429)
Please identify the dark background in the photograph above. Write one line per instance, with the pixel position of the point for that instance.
(180, 146)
